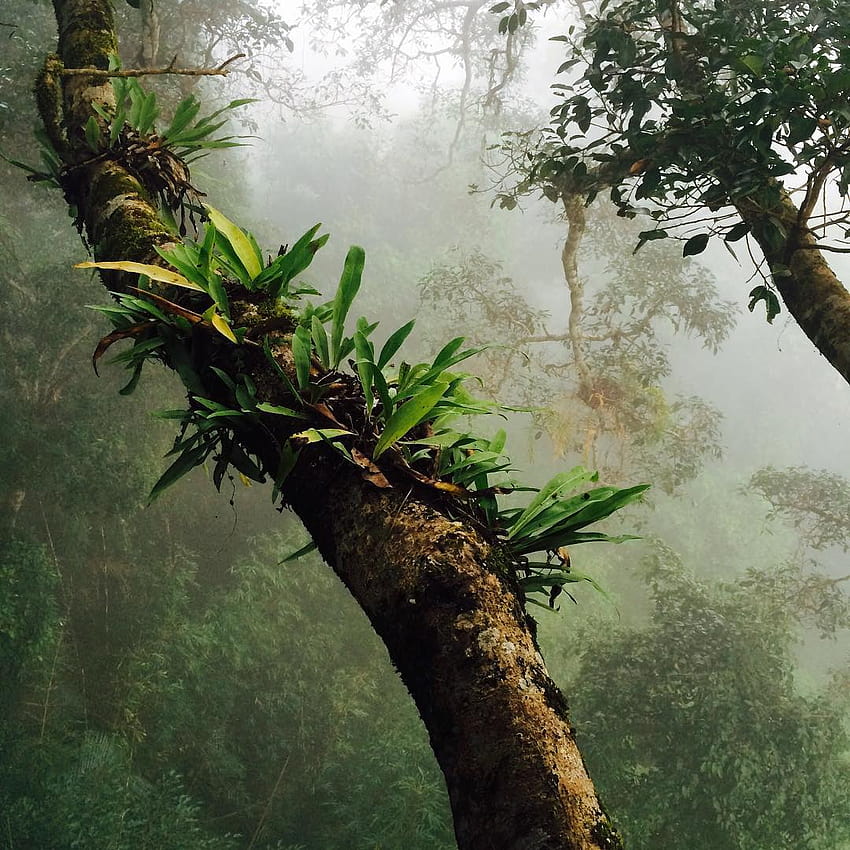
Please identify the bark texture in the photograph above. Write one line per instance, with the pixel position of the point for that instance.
(433, 587)
(814, 296)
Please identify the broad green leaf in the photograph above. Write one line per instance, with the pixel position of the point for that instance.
(288, 459)
(737, 231)
(497, 444)
(223, 326)
(382, 388)
(316, 435)
(153, 272)
(298, 553)
(184, 258)
(289, 265)
(349, 284)
(265, 407)
(577, 476)
(365, 368)
(185, 113)
(218, 294)
(225, 378)
(649, 236)
(771, 302)
(754, 63)
(92, 133)
(186, 462)
(128, 388)
(242, 244)
(408, 416)
(171, 414)
(320, 341)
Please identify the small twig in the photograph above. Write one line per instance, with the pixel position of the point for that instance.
(817, 246)
(221, 71)
(268, 805)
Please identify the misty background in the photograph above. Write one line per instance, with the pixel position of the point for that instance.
(166, 682)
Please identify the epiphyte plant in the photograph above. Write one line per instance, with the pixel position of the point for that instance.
(394, 423)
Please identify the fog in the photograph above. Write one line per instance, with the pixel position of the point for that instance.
(165, 668)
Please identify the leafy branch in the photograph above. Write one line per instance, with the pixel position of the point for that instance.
(391, 422)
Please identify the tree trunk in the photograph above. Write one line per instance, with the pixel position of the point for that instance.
(434, 589)
(814, 296)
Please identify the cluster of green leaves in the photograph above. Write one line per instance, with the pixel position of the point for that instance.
(517, 18)
(397, 400)
(187, 136)
(554, 521)
(705, 114)
(227, 254)
(211, 428)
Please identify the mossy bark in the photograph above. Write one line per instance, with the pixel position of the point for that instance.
(814, 296)
(451, 619)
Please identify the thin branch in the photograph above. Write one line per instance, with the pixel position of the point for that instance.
(221, 71)
(818, 246)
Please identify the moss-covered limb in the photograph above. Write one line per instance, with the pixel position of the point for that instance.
(120, 220)
(49, 101)
(457, 632)
(809, 288)
(86, 39)
(86, 32)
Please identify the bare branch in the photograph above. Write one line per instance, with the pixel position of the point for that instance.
(221, 71)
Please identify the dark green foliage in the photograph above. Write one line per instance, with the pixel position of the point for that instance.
(397, 402)
(28, 610)
(279, 710)
(703, 104)
(87, 793)
(696, 731)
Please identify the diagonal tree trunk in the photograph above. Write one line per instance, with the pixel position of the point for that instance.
(434, 588)
(809, 288)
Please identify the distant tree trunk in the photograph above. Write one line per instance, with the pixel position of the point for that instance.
(433, 588)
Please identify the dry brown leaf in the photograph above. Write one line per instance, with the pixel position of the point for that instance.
(371, 472)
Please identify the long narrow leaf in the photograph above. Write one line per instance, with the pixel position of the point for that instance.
(392, 345)
(301, 355)
(349, 284)
(550, 491)
(153, 272)
(245, 248)
(320, 341)
(408, 416)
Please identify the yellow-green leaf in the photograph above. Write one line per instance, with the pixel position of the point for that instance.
(239, 240)
(220, 324)
(153, 272)
(315, 435)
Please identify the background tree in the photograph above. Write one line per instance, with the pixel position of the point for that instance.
(686, 106)
(708, 684)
